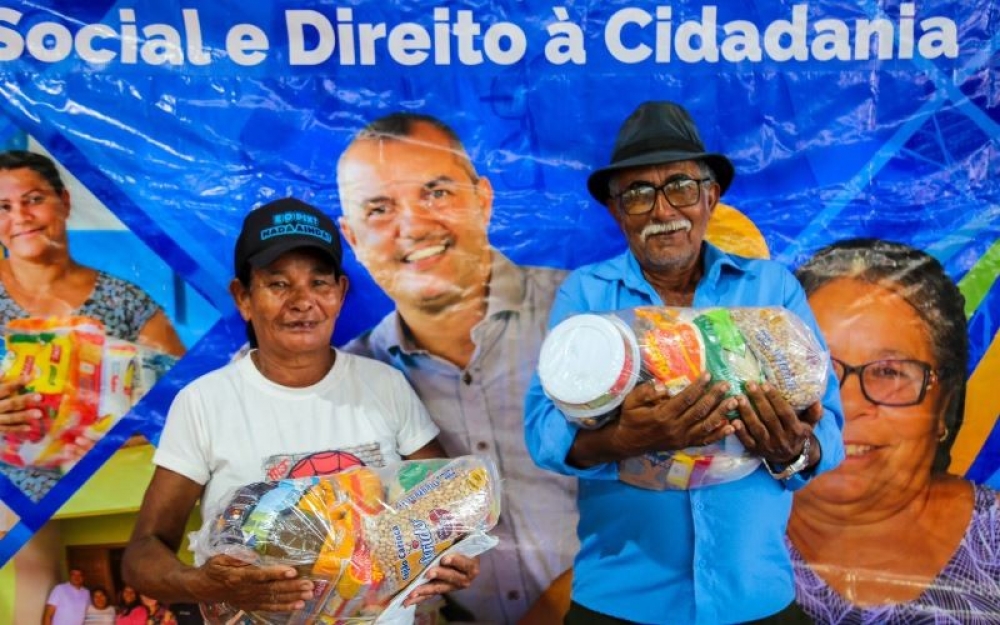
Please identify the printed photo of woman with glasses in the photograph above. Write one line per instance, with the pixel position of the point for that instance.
(889, 536)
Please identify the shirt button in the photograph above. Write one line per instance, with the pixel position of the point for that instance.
(700, 507)
(482, 446)
(513, 595)
(467, 378)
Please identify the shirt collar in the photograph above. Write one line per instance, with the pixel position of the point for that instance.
(626, 268)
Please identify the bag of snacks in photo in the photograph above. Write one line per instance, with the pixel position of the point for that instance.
(364, 535)
(87, 382)
(60, 360)
(589, 363)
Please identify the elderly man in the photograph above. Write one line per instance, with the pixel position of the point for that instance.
(263, 416)
(466, 332)
(709, 555)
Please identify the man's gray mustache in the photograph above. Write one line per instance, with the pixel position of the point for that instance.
(661, 228)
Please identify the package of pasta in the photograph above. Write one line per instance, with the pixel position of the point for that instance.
(59, 359)
(589, 363)
(364, 535)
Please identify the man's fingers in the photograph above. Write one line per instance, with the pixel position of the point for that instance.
(753, 434)
(647, 394)
(744, 437)
(705, 403)
(812, 414)
(783, 411)
(758, 394)
(695, 391)
(715, 426)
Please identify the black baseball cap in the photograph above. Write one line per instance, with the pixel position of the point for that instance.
(282, 226)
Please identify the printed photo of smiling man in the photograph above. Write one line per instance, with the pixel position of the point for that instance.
(466, 333)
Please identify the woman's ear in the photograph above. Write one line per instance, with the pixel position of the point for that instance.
(241, 297)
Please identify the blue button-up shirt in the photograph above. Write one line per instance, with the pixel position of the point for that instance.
(708, 555)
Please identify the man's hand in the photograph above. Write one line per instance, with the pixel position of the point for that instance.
(250, 587)
(769, 427)
(652, 420)
(455, 572)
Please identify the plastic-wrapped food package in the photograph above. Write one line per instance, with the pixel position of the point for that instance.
(363, 535)
(87, 381)
(61, 360)
(589, 363)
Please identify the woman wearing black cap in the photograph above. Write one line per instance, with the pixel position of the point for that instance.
(290, 399)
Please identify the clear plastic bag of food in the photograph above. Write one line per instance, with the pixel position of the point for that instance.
(86, 379)
(363, 535)
(589, 363)
(60, 360)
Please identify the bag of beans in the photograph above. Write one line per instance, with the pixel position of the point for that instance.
(363, 535)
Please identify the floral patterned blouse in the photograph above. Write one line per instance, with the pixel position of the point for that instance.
(121, 306)
(966, 591)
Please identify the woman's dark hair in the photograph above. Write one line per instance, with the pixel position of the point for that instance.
(921, 281)
(125, 607)
(38, 163)
(244, 275)
(99, 589)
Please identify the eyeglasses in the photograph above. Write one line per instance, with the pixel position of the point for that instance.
(641, 196)
(889, 382)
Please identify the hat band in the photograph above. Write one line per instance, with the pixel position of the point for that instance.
(655, 144)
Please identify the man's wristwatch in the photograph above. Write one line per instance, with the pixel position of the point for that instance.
(796, 466)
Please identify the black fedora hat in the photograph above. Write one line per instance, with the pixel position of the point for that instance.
(655, 133)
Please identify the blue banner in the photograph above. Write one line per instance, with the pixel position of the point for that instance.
(843, 120)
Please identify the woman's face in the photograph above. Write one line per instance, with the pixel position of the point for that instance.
(32, 215)
(293, 303)
(889, 450)
(100, 599)
(128, 594)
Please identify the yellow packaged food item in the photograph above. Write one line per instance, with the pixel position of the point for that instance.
(61, 359)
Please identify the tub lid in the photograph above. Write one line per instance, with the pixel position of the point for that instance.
(582, 358)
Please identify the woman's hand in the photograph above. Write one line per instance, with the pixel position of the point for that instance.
(455, 572)
(19, 412)
(250, 587)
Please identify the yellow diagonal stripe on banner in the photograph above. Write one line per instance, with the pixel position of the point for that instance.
(982, 405)
(982, 402)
